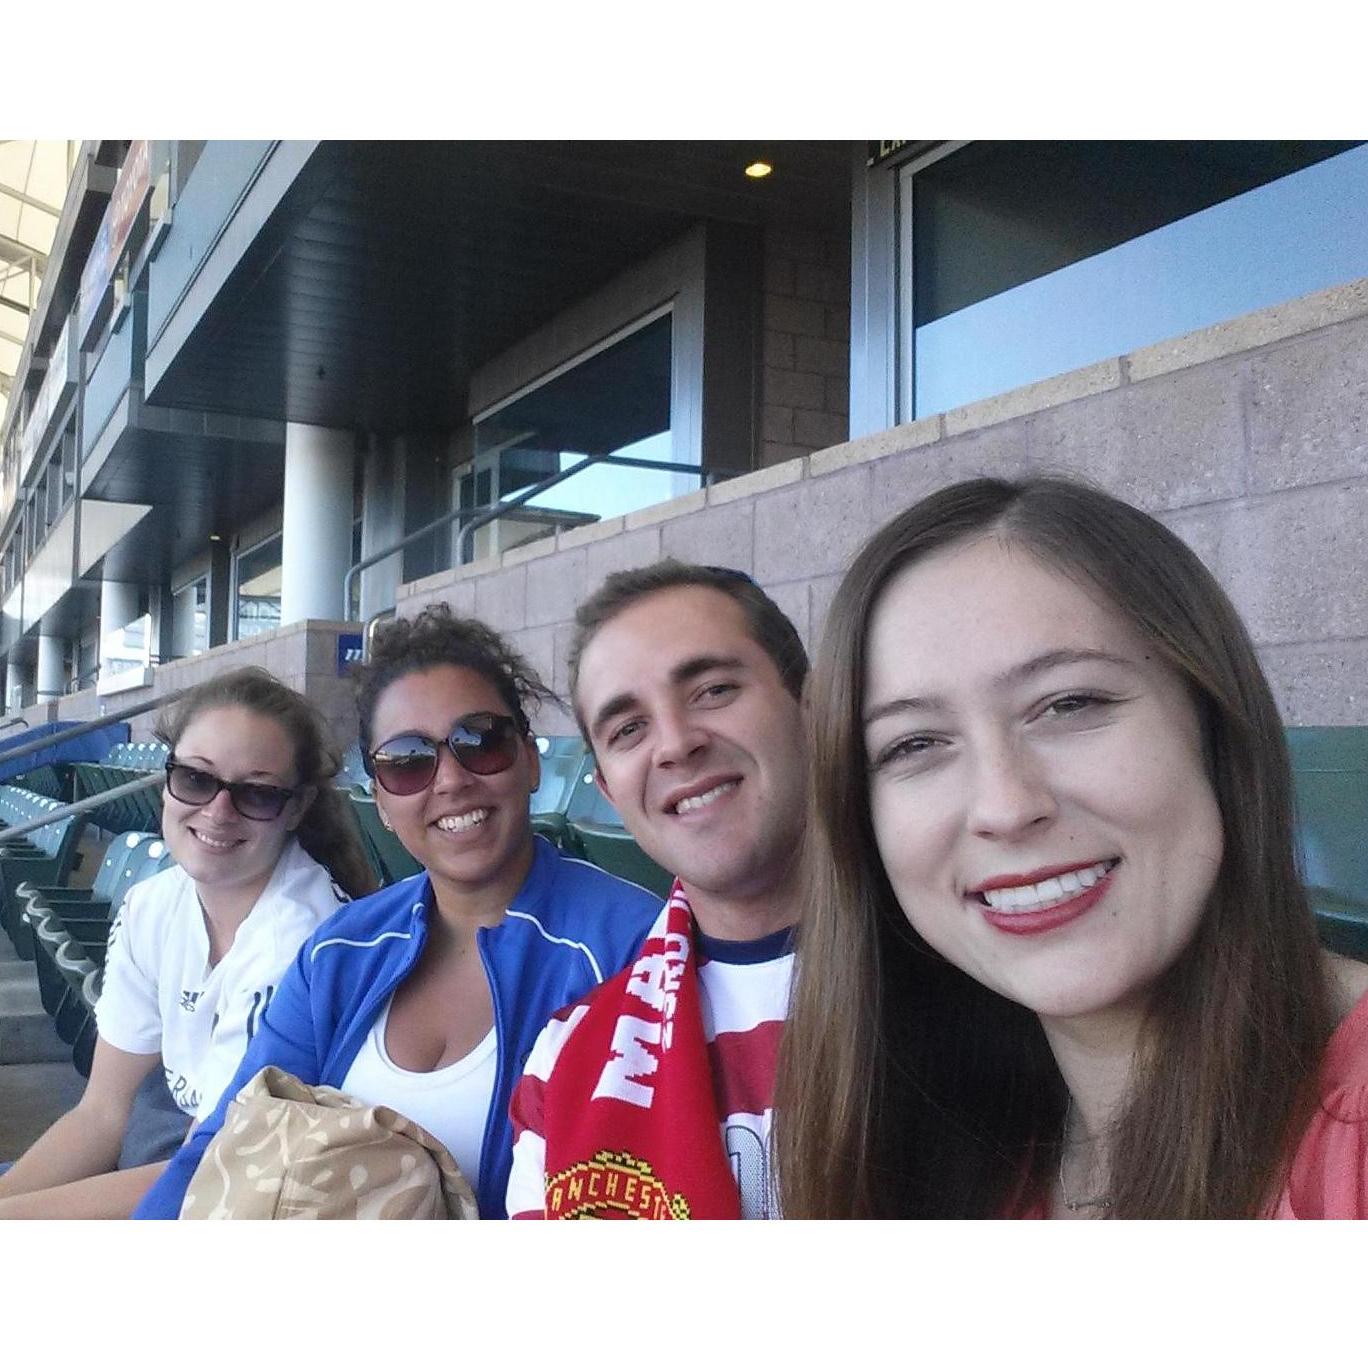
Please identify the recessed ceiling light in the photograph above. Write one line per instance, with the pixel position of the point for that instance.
(758, 170)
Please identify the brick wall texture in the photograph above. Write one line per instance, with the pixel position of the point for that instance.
(1258, 459)
(805, 381)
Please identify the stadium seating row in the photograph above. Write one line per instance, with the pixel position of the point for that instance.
(70, 928)
(125, 762)
(47, 856)
(64, 930)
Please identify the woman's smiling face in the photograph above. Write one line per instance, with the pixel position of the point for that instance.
(469, 831)
(1037, 786)
(213, 842)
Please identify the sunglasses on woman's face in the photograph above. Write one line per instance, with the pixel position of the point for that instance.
(196, 787)
(483, 743)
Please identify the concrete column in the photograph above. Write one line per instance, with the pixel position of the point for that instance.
(14, 685)
(51, 668)
(315, 547)
(427, 495)
(382, 522)
(220, 576)
(118, 607)
(161, 611)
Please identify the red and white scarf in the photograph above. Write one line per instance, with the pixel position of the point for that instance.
(636, 1133)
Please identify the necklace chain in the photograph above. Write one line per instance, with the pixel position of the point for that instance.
(1097, 1202)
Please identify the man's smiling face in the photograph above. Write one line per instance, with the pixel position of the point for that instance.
(698, 742)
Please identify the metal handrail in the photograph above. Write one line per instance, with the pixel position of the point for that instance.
(96, 800)
(376, 557)
(368, 631)
(14, 722)
(94, 724)
(532, 491)
(487, 513)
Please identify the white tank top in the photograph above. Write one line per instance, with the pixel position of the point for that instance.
(452, 1102)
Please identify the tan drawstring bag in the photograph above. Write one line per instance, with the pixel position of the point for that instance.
(291, 1152)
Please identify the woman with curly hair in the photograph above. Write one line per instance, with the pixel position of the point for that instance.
(427, 996)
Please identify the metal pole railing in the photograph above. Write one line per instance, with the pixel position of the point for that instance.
(83, 728)
(637, 462)
(488, 513)
(96, 800)
(492, 512)
(393, 550)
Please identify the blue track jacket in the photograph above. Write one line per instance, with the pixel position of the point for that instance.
(570, 927)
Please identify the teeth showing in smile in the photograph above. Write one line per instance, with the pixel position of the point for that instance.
(703, 799)
(210, 842)
(464, 822)
(1035, 897)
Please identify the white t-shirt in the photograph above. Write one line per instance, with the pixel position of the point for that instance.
(451, 1103)
(161, 996)
(744, 1006)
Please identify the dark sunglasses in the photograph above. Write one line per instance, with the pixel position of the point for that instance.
(482, 742)
(195, 787)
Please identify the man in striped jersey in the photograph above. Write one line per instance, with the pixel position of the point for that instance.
(686, 682)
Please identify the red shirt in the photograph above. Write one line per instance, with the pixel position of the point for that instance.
(1328, 1178)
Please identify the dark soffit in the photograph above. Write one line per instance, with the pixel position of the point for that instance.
(392, 270)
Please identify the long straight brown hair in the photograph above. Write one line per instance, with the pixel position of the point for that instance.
(905, 1087)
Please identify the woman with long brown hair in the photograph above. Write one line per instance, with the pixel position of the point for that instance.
(1057, 959)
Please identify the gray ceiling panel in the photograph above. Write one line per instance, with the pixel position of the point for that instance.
(399, 268)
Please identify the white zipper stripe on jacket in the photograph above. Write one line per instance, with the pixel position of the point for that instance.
(360, 945)
(561, 940)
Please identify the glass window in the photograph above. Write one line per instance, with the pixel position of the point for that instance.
(258, 589)
(615, 401)
(53, 482)
(1032, 259)
(128, 647)
(68, 468)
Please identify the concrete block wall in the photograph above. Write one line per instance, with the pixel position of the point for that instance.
(805, 376)
(302, 654)
(1249, 439)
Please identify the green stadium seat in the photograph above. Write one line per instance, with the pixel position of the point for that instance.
(81, 967)
(388, 857)
(125, 762)
(598, 835)
(564, 761)
(58, 916)
(46, 858)
(353, 774)
(1330, 775)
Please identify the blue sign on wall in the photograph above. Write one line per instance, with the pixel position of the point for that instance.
(348, 651)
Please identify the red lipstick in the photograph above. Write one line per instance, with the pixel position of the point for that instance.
(1046, 918)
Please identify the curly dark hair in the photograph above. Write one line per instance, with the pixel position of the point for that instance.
(438, 637)
(326, 832)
